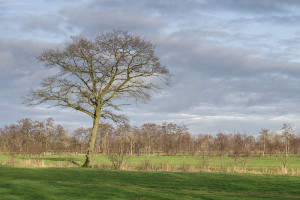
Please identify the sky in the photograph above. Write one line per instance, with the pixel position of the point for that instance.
(235, 63)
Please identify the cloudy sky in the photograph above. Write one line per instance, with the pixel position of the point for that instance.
(236, 63)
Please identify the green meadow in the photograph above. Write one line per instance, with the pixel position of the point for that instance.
(166, 163)
(81, 183)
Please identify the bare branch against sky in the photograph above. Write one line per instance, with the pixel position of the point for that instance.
(235, 63)
(97, 76)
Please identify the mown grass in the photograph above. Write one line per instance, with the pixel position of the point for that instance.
(255, 164)
(80, 183)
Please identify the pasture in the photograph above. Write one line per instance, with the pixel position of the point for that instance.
(87, 183)
(272, 164)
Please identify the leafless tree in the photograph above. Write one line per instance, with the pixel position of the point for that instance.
(221, 141)
(205, 143)
(264, 134)
(105, 134)
(238, 147)
(95, 75)
(287, 132)
(276, 144)
(132, 138)
(28, 137)
(295, 144)
(149, 132)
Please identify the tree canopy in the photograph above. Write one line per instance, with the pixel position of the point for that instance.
(95, 76)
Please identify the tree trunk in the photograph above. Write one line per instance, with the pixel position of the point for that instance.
(264, 147)
(131, 148)
(286, 149)
(91, 147)
(103, 142)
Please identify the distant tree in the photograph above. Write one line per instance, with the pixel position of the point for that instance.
(221, 141)
(276, 144)
(151, 137)
(249, 145)
(205, 143)
(296, 144)
(264, 134)
(171, 137)
(132, 138)
(105, 132)
(121, 134)
(287, 132)
(238, 144)
(81, 138)
(61, 140)
(95, 75)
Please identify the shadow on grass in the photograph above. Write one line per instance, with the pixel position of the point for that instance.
(73, 161)
(60, 159)
(81, 183)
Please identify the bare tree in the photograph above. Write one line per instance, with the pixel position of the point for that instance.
(94, 75)
(221, 141)
(264, 134)
(105, 132)
(238, 147)
(287, 132)
(132, 138)
(151, 138)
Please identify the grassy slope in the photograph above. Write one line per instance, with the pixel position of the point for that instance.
(79, 183)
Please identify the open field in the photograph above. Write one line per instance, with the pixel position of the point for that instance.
(167, 163)
(80, 183)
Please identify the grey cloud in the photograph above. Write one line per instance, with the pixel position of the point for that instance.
(2, 7)
(211, 58)
(258, 7)
(164, 7)
(260, 90)
(14, 111)
(65, 1)
(31, 26)
(19, 71)
(45, 24)
(97, 20)
(291, 41)
(212, 120)
(19, 56)
(282, 20)
(178, 7)
(6, 60)
(227, 74)
(209, 73)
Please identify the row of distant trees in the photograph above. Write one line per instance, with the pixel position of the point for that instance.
(37, 137)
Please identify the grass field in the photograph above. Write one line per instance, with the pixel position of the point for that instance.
(79, 183)
(167, 163)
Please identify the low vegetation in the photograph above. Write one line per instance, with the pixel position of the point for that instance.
(81, 183)
(271, 165)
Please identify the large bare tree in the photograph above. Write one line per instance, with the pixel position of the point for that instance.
(98, 77)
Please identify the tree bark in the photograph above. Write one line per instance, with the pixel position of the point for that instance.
(91, 147)
(286, 149)
(264, 146)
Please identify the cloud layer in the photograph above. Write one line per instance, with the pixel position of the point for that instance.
(235, 62)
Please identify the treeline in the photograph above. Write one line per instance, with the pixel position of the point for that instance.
(37, 137)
